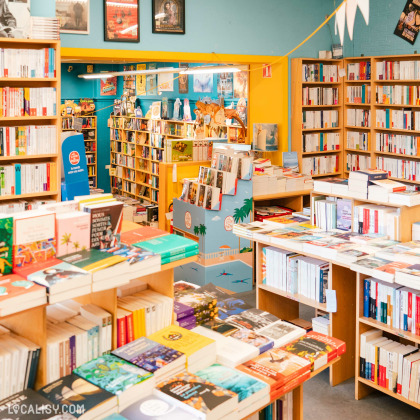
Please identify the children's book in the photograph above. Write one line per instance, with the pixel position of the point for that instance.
(6, 244)
(73, 232)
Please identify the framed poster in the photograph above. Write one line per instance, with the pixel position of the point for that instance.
(409, 22)
(121, 20)
(203, 82)
(168, 16)
(141, 81)
(183, 80)
(240, 84)
(73, 16)
(166, 82)
(109, 86)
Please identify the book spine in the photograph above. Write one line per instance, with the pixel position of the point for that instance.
(130, 328)
(366, 298)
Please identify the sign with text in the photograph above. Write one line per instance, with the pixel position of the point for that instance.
(266, 71)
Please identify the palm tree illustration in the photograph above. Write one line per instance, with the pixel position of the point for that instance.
(203, 229)
(196, 230)
(241, 213)
(66, 240)
(76, 245)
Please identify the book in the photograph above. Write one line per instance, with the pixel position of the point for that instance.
(261, 342)
(151, 356)
(181, 256)
(6, 244)
(153, 407)
(281, 332)
(73, 232)
(317, 348)
(169, 245)
(198, 396)
(118, 377)
(182, 311)
(141, 234)
(368, 175)
(252, 319)
(80, 397)
(18, 294)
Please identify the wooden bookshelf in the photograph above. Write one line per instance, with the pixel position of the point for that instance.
(364, 387)
(51, 120)
(298, 108)
(90, 136)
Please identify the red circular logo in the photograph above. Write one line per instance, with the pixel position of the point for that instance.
(74, 158)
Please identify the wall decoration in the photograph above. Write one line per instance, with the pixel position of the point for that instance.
(225, 84)
(409, 23)
(265, 137)
(141, 81)
(240, 84)
(151, 81)
(109, 86)
(203, 82)
(121, 19)
(183, 80)
(15, 18)
(166, 82)
(168, 16)
(73, 16)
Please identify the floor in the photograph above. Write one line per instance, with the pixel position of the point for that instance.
(323, 402)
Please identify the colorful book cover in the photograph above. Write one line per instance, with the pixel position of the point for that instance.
(252, 319)
(198, 301)
(73, 232)
(169, 245)
(13, 286)
(130, 253)
(34, 239)
(184, 287)
(182, 311)
(141, 234)
(76, 394)
(147, 354)
(112, 373)
(251, 337)
(276, 367)
(92, 260)
(392, 267)
(153, 407)
(232, 380)
(167, 260)
(6, 244)
(372, 262)
(181, 150)
(220, 327)
(180, 339)
(344, 212)
(196, 392)
(106, 222)
(414, 270)
(56, 274)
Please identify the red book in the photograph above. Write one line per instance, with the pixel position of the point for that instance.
(130, 328)
(290, 386)
(121, 330)
(141, 234)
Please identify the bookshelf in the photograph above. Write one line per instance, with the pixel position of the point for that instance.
(32, 323)
(308, 142)
(89, 131)
(364, 387)
(45, 115)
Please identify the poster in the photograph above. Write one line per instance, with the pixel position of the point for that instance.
(240, 84)
(409, 23)
(19, 18)
(203, 82)
(168, 16)
(151, 81)
(141, 81)
(73, 16)
(224, 84)
(183, 80)
(121, 20)
(166, 82)
(109, 86)
(265, 137)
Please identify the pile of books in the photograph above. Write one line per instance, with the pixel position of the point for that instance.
(44, 28)
(321, 324)
(390, 364)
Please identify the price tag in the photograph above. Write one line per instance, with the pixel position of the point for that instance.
(331, 300)
(342, 72)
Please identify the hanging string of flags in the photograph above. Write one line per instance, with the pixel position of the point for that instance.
(347, 12)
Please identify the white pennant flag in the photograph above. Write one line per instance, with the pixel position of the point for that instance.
(351, 9)
(340, 21)
(364, 8)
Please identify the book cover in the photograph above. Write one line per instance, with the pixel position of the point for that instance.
(281, 332)
(344, 214)
(106, 222)
(73, 232)
(182, 311)
(252, 319)
(141, 234)
(184, 287)
(147, 354)
(197, 393)
(393, 266)
(34, 238)
(153, 407)
(180, 339)
(233, 380)
(14, 288)
(181, 150)
(112, 373)
(259, 341)
(220, 327)
(169, 245)
(77, 393)
(92, 260)
(6, 245)
(276, 367)
(197, 301)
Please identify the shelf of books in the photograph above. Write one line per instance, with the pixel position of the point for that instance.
(89, 131)
(317, 116)
(388, 335)
(357, 114)
(30, 88)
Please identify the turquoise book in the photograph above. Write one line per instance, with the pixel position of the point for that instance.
(112, 373)
(177, 257)
(169, 245)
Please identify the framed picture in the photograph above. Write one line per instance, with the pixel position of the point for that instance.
(168, 16)
(109, 86)
(73, 16)
(265, 137)
(121, 20)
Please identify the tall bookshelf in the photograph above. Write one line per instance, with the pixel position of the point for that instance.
(53, 160)
(89, 131)
(299, 107)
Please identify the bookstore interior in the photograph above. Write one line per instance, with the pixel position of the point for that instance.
(228, 234)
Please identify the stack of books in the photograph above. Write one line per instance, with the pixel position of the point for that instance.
(360, 180)
(170, 247)
(321, 324)
(184, 316)
(44, 28)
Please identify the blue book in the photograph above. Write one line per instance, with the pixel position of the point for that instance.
(18, 179)
(366, 298)
(168, 245)
(321, 72)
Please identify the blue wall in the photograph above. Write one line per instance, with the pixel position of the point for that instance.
(264, 27)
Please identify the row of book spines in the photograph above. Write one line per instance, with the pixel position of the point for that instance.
(402, 144)
(359, 71)
(319, 72)
(125, 330)
(399, 168)
(398, 119)
(408, 95)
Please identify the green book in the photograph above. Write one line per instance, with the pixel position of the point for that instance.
(92, 260)
(6, 244)
(177, 257)
(169, 245)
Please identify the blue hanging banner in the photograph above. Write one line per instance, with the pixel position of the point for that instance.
(76, 180)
